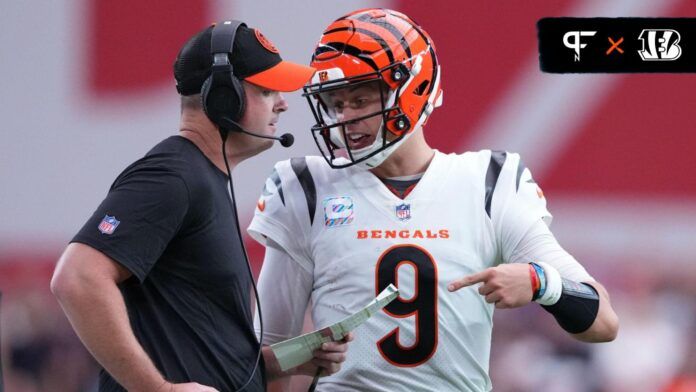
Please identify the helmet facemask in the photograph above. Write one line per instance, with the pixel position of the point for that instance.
(372, 46)
(330, 133)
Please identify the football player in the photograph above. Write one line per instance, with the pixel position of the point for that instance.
(459, 234)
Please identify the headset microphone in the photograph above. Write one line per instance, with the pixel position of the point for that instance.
(286, 139)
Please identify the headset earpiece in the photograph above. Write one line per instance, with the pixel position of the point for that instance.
(222, 99)
(222, 94)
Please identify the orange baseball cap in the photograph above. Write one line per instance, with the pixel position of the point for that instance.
(254, 59)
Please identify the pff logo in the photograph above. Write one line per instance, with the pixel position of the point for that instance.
(660, 45)
(575, 43)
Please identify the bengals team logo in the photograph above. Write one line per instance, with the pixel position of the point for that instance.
(265, 42)
(660, 45)
(323, 76)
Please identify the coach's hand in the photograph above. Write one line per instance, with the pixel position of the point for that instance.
(507, 285)
(188, 387)
(329, 358)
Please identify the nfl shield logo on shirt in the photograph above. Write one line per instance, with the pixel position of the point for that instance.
(338, 211)
(403, 211)
(108, 224)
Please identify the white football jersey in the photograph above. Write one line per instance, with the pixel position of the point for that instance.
(467, 213)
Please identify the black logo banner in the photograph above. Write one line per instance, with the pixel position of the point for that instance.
(612, 45)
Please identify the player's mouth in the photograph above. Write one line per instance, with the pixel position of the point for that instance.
(357, 140)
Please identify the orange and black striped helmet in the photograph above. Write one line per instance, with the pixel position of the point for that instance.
(364, 46)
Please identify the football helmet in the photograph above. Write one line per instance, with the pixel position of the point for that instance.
(363, 47)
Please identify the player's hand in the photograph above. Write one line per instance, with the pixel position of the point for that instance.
(507, 285)
(329, 358)
(187, 387)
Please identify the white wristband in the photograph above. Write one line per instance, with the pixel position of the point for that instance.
(554, 285)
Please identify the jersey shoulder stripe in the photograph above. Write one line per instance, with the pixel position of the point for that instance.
(495, 165)
(304, 176)
(520, 169)
(279, 186)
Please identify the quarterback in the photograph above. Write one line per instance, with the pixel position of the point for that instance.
(459, 234)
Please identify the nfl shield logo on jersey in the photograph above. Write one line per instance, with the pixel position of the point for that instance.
(338, 211)
(403, 211)
(108, 224)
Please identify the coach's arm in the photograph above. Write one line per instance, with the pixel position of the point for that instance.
(85, 284)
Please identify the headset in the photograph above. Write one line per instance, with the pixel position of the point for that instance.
(222, 93)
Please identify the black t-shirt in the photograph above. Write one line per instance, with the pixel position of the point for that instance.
(168, 218)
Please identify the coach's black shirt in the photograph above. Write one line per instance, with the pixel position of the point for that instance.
(168, 218)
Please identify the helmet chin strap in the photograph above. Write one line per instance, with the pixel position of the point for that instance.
(382, 156)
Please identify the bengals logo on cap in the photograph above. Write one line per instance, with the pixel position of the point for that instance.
(265, 42)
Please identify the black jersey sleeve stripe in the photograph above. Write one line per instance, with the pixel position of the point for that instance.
(494, 167)
(276, 180)
(299, 166)
(520, 169)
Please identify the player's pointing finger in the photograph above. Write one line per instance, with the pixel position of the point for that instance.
(469, 280)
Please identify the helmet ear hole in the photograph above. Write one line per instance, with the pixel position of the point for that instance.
(421, 88)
